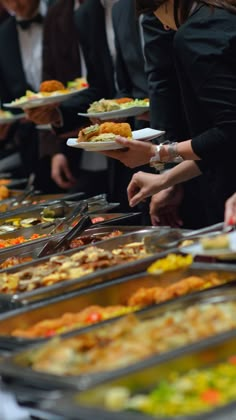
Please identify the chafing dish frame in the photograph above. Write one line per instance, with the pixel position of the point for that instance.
(14, 368)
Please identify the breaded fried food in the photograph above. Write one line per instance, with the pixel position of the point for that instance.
(4, 192)
(121, 129)
(123, 100)
(51, 86)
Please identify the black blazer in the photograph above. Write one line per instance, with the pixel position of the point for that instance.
(164, 92)
(91, 32)
(205, 56)
(130, 72)
(13, 85)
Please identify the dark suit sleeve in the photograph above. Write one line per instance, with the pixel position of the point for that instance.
(124, 83)
(164, 94)
(211, 64)
(217, 96)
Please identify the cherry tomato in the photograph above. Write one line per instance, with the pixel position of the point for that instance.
(94, 317)
(50, 333)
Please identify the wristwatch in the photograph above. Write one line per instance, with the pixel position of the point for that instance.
(173, 155)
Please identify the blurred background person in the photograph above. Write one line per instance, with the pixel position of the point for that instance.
(21, 69)
(72, 168)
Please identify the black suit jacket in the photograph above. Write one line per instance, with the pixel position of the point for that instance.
(205, 53)
(164, 91)
(13, 84)
(91, 32)
(130, 71)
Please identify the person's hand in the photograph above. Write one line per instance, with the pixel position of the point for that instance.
(164, 207)
(230, 210)
(48, 114)
(61, 173)
(143, 185)
(135, 153)
(144, 117)
(4, 130)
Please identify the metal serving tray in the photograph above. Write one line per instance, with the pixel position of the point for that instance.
(31, 249)
(11, 301)
(88, 405)
(47, 227)
(46, 198)
(14, 368)
(34, 210)
(116, 292)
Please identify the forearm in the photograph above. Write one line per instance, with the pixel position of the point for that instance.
(185, 150)
(181, 173)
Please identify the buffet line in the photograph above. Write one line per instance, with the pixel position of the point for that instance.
(100, 316)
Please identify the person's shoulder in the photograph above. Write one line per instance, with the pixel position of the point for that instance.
(209, 26)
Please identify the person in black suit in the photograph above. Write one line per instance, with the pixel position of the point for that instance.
(204, 48)
(20, 69)
(131, 82)
(178, 205)
(101, 77)
(97, 66)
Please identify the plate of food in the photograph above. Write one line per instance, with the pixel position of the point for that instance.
(102, 137)
(51, 91)
(7, 117)
(222, 246)
(116, 108)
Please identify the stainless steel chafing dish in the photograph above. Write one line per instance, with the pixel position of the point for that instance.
(16, 367)
(31, 249)
(90, 404)
(116, 292)
(47, 227)
(9, 301)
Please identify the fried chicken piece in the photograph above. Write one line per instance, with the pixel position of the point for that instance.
(144, 296)
(180, 288)
(51, 86)
(4, 192)
(121, 129)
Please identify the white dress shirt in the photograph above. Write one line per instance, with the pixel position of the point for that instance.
(31, 45)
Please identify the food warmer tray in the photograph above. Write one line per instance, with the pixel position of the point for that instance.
(16, 373)
(41, 199)
(46, 228)
(11, 301)
(31, 249)
(87, 404)
(34, 210)
(116, 292)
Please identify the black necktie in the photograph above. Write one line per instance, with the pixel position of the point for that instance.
(25, 24)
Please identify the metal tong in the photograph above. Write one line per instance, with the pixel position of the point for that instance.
(52, 247)
(65, 224)
(28, 191)
(175, 237)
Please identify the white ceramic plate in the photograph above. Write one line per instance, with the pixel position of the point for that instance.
(13, 118)
(133, 111)
(34, 103)
(146, 134)
(197, 249)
